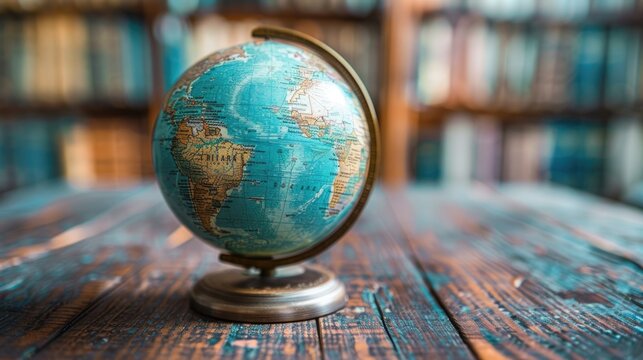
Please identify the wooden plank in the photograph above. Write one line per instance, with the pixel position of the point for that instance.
(148, 316)
(518, 286)
(41, 295)
(57, 217)
(83, 231)
(23, 202)
(611, 227)
(390, 311)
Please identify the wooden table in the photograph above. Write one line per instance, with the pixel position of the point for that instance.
(515, 272)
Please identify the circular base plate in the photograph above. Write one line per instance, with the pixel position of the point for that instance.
(291, 294)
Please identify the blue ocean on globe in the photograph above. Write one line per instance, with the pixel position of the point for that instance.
(261, 149)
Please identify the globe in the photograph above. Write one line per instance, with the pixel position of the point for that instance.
(262, 149)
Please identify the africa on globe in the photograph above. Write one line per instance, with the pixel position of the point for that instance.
(262, 149)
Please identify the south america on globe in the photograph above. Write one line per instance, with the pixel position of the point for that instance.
(262, 149)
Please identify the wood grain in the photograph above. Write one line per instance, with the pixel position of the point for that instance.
(517, 285)
(390, 311)
(57, 217)
(431, 273)
(611, 227)
(23, 202)
(40, 297)
(147, 315)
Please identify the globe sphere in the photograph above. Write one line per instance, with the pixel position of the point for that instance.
(262, 150)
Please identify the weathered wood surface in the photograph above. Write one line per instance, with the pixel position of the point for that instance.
(616, 229)
(518, 285)
(391, 311)
(518, 272)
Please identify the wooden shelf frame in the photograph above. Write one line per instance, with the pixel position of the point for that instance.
(507, 113)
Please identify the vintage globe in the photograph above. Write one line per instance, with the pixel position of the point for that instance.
(263, 149)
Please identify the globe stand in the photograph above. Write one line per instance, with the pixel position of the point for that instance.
(290, 293)
(271, 289)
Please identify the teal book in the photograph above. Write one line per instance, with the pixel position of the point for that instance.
(173, 34)
(12, 60)
(623, 67)
(428, 157)
(360, 7)
(564, 147)
(136, 57)
(520, 61)
(591, 157)
(577, 154)
(33, 151)
(587, 78)
(603, 7)
(96, 52)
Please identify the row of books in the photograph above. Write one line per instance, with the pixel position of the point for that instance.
(81, 151)
(483, 63)
(185, 44)
(565, 9)
(354, 7)
(105, 150)
(21, 5)
(557, 9)
(69, 58)
(588, 155)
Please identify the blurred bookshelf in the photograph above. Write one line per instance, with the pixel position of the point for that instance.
(523, 91)
(81, 81)
(466, 90)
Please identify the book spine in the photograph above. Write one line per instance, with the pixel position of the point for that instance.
(523, 150)
(587, 80)
(623, 67)
(434, 61)
(428, 156)
(624, 163)
(458, 150)
(488, 142)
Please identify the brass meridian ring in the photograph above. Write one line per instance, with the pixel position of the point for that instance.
(352, 79)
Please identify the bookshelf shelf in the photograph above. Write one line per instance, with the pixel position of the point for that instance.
(495, 122)
(630, 18)
(94, 110)
(432, 113)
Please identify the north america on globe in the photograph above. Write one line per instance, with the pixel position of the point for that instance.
(262, 149)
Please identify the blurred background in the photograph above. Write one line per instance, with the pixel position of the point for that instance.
(466, 90)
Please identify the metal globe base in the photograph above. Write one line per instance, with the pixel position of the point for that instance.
(291, 293)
